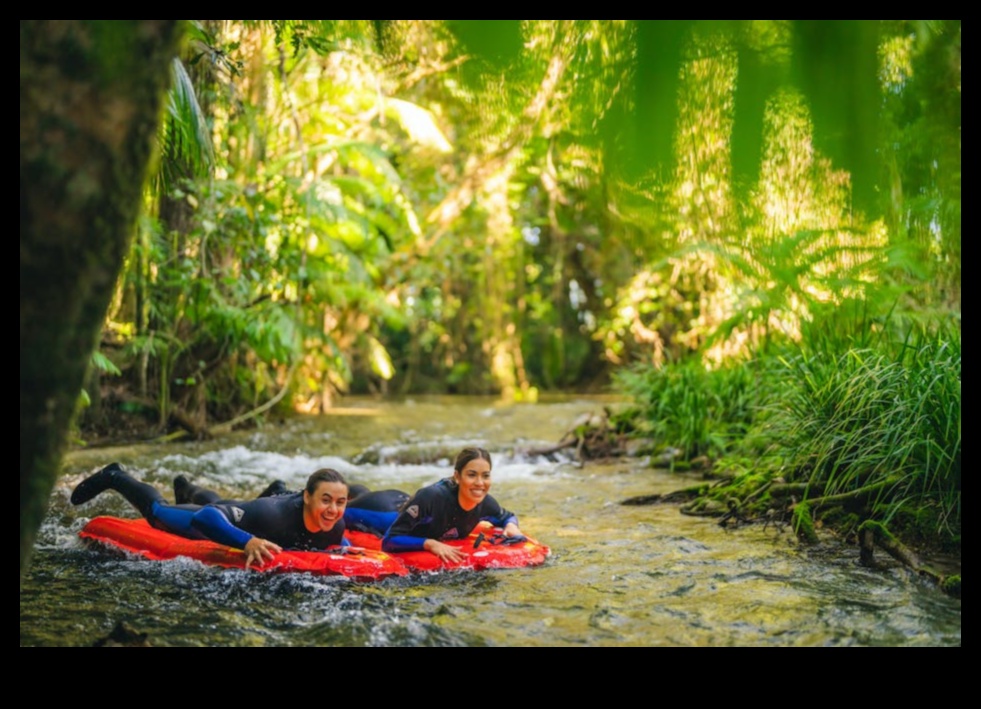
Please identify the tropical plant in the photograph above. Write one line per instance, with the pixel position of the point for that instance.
(698, 410)
(481, 208)
(884, 419)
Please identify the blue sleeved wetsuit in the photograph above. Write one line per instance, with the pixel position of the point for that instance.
(435, 513)
(278, 519)
(371, 511)
(374, 511)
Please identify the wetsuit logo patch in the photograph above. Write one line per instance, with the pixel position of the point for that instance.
(238, 513)
(412, 511)
(452, 534)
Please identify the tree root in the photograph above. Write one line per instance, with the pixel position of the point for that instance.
(873, 533)
(684, 495)
(593, 438)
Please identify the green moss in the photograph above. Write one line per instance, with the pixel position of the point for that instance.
(878, 528)
(923, 527)
(804, 523)
(840, 520)
(721, 494)
(952, 585)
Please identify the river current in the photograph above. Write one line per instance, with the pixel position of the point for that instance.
(618, 575)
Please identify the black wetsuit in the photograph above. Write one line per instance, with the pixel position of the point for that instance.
(434, 512)
(278, 519)
(379, 501)
(371, 511)
(375, 511)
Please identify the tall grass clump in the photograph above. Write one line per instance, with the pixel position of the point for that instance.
(688, 406)
(882, 423)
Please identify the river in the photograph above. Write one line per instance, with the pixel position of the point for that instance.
(618, 575)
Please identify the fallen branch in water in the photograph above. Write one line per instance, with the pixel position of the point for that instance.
(798, 490)
(872, 534)
(551, 450)
(683, 495)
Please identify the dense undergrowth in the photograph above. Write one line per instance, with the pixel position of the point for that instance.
(838, 434)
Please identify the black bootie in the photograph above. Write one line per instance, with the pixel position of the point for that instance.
(94, 484)
(187, 493)
(113, 477)
(276, 487)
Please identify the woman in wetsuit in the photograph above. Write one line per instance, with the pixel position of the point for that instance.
(450, 509)
(371, 511)
(308, 520)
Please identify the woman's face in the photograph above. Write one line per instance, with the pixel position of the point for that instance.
(474, 481)
(325, 507)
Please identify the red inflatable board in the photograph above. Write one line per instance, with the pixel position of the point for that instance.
(485, 548)
(138, 537)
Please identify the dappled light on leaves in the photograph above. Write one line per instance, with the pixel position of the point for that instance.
(399, 206)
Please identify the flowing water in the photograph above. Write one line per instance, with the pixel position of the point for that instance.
(618, 575)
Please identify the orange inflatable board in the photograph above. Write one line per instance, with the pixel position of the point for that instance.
(485, 548)
(138, 537)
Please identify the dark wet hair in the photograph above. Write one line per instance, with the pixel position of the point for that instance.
(324, 475)
(468, 454)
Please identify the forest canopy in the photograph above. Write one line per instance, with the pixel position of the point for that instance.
(512, 207)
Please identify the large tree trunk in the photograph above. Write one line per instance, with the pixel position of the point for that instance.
(90, 103)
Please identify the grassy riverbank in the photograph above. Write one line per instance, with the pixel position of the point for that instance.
(825, 435)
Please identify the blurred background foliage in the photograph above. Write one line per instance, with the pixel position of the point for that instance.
(514, 207)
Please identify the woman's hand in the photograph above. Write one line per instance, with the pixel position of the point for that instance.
(444, 552)
(511, 530)
(260, 551)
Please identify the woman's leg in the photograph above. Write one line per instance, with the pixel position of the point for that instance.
(372, 521)
(143, 496)
(186, 492)
(113, 477)
(176, 519)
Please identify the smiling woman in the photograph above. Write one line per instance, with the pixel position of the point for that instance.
(308, 521)
(450, 509)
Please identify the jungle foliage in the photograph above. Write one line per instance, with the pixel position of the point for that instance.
(506, 207)
(751, 227)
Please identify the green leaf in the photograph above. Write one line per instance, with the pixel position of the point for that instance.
(104, 364)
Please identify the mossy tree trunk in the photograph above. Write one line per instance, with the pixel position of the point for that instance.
(91, 94)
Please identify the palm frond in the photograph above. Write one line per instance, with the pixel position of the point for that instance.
(187, 149)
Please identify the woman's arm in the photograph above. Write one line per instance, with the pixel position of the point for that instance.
(414, 528)
(402, 542)
(212, 522)
(369, 520)
(500, 517)
(406, 542)
(410, 529)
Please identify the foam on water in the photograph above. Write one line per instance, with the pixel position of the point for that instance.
(242, 467)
